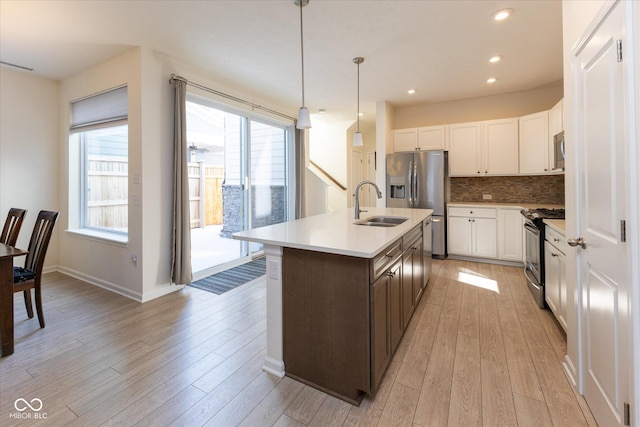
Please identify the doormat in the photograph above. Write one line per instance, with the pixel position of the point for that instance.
(224, 281)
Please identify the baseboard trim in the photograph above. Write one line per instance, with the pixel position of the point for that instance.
(486, 260)
(273, 366)
(102, 284)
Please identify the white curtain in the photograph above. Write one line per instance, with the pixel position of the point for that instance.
(181, 251)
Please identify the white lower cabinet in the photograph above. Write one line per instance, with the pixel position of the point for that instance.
(472, 231)
(555, 288)
(510, 234)
(493, 232)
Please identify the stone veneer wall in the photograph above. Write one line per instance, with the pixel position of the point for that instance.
(509, 189)
(232, 200)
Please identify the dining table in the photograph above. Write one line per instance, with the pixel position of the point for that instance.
(7, 254)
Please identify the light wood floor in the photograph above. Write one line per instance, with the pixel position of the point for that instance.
(473, 355)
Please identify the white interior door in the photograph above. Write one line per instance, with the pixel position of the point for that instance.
(602, 193)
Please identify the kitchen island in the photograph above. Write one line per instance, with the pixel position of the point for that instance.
(339, 296)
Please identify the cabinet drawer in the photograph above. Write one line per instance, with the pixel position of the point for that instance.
(473, 212)
(411, 236)
(556, 239)
(384, 259)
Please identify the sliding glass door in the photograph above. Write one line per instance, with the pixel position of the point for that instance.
(238, 181)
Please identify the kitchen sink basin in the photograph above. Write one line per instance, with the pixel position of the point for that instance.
(382, 221)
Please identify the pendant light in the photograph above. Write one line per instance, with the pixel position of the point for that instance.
(304, 121)
(357, 137)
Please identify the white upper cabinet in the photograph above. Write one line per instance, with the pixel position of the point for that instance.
(405, 139)
(555, 126)
(465, 149)
(424, 138)
(534, 143)
(432, 138)
(500, 154)
(484, 148)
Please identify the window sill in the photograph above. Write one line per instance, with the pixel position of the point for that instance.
(121, 240)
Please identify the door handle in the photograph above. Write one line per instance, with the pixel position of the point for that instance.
(577, 242)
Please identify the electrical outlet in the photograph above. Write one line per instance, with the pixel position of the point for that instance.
(486, 197)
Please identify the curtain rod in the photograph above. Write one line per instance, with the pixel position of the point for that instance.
(231, 97)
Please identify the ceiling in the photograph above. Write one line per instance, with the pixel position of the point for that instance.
(440, 48)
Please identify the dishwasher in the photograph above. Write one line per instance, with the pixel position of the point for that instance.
(427, 250)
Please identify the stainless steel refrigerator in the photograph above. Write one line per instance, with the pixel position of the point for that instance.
(421, 180)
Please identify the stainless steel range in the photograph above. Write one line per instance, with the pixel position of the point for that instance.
(534, 248)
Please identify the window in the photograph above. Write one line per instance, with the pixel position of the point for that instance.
(238, 179)
(99, 142)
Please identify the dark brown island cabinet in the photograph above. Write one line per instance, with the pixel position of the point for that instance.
(344, 316)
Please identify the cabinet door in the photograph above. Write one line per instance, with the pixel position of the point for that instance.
(551, 275)
(534, 143)
(500, 153)
(432, 138)
(562, 273)
(380, 343)
(407, 287)
(459, 233)
(464, 149)
(484, 237)
(510, 234)
(396, 326)
(555, 126)
(418, 270)
(405, 139)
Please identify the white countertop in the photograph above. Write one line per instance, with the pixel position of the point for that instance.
(557, 224)
(508, 205)
(337, 232)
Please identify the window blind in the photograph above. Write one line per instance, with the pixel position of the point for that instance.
(104, 107)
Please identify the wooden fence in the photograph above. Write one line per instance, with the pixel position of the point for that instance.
(107, 195)
(205, 194)
(108, 181)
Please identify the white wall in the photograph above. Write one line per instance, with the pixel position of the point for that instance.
(327, 148)
(29, 119)
(103, 263)
(507, 105)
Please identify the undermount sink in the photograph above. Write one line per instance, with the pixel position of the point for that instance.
(382, 221)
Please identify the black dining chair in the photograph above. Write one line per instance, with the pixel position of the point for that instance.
(30, 276)
(12, 226)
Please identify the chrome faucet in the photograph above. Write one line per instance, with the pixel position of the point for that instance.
(357, 207)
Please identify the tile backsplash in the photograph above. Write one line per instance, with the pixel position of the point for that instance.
(509, 189)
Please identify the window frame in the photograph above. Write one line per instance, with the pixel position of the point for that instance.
(79, 175)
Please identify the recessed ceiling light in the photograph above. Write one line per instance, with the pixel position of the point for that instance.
(502, 14)
(491, 80)
(411, 91)
(495, 58)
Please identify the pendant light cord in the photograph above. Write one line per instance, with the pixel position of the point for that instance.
(358, 96)
(302, 52)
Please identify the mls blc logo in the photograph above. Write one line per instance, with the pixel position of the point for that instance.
(28, 409)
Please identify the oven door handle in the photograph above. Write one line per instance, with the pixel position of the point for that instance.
(532, 228)
(533, 282)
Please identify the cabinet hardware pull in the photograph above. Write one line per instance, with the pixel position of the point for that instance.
(554, 255)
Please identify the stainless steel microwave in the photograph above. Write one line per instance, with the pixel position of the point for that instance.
(558, 151)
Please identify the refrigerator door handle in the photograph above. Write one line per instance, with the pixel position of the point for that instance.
(415, 183)
(411, 183)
